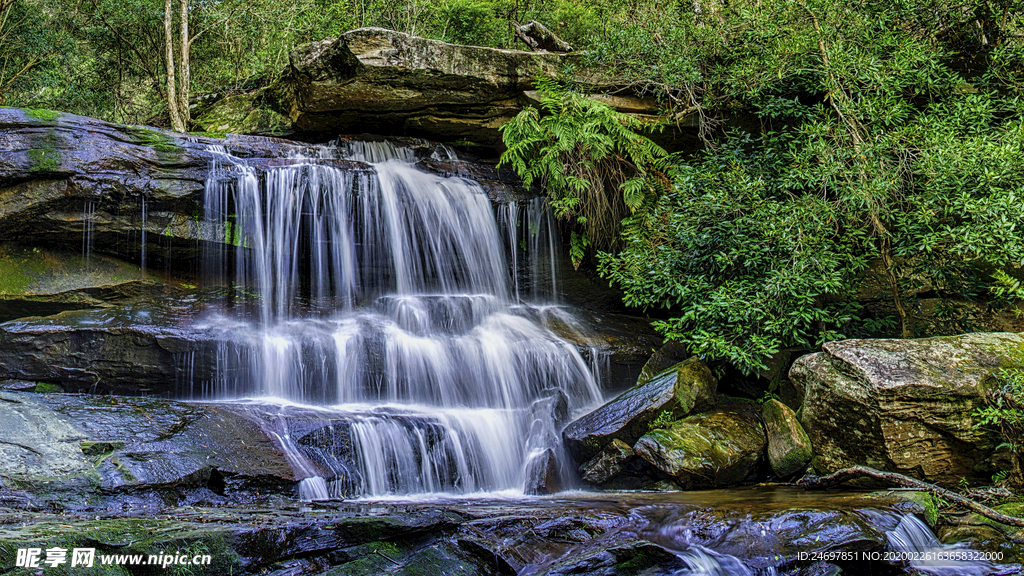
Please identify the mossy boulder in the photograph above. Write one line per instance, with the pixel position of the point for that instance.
(668, 355)
(718, 448)
(243, 114)
(684, 388)
(789, 447)
(905, 405)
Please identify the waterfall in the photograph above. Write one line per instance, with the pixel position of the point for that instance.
(388, 299)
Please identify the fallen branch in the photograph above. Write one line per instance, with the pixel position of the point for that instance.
(818, 482)
(538, 37)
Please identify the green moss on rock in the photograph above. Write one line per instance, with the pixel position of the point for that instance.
(43, 159)
(48, 388)
(43, 114)
(789, 447)
(162, 143)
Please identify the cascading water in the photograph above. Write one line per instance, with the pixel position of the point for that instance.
(387, 298)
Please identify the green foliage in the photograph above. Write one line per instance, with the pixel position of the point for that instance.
(888, 162)
(472, 22)
(590, 160)
(752, 271)
(664, 420)
(1007, 287)
(1005, 412)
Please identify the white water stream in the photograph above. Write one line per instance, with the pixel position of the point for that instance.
(388, 299)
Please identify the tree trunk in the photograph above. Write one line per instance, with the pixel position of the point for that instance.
(906, 319)
(172, 93)
(892, 478)
(184, 72)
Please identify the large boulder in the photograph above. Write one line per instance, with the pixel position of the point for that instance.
(73, 451)
(608, 463)
(904, 405)
(387, 82)
(718, 448)
(676, 392)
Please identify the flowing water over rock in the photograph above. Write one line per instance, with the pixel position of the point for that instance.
(390, 301)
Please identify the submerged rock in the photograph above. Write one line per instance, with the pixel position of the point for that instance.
(719, 448)
(686, 387)
(789, 448)
(905, 405)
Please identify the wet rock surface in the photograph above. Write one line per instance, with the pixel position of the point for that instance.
(718, 532)
(608, 463)
(688, 386)
(129, 350)
(78, 451)
(67, 179)
(905, 405)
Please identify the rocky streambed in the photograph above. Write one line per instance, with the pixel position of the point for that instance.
(733, 532)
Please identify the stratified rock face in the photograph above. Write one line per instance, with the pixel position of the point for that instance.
(387, 82)
(74, 181)
(686, 387)
(131, 350)
(75, 451)
(789, 447)
(904, 405)
(40, 282)
(718, 448)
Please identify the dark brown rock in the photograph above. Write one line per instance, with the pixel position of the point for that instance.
(542, 474)
(610, 462)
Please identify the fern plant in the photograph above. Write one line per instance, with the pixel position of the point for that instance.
(1008, 287)
(591, 161)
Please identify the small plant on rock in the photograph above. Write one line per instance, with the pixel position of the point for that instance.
(1005, 411)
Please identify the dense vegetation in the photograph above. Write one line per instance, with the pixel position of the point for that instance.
(855, 152)
(876, 152)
